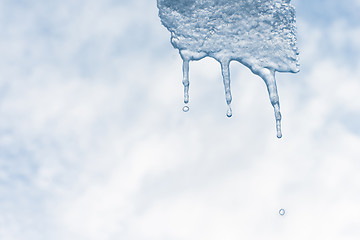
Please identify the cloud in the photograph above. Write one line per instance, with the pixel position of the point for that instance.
(94, 144)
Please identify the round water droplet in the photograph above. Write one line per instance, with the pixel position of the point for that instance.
(185, 108)
(282, 212)
(229, 113)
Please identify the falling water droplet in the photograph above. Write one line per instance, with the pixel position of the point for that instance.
(282, 212)
(185, 108)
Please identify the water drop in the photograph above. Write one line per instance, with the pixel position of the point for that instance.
(185, 108)
(229, 113)
(282, 212)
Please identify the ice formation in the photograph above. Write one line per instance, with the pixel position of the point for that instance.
(260, 34)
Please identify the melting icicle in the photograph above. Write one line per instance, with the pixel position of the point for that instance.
(259, 34)
(226, 79)
(186, 81)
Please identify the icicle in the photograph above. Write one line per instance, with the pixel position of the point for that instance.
(269, 78)
(225, 71)
(186, 84)
(186, 80)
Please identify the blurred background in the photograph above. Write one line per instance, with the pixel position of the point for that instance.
(94, 144)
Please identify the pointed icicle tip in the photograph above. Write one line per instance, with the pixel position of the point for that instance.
(278, 128)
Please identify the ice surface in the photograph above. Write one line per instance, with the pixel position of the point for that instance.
(257, 33)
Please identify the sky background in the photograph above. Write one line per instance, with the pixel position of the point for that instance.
(94, 145)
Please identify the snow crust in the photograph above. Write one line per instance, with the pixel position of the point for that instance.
(258, 33)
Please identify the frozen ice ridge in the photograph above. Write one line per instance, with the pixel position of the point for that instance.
(261, 34)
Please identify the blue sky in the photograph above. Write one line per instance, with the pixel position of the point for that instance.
(94, 145)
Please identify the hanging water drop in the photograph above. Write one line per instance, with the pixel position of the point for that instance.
(185, 108)
(229, 112)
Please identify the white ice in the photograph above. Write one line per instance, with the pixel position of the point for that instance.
(260, 34)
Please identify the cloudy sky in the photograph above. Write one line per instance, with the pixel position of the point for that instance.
(94, 145)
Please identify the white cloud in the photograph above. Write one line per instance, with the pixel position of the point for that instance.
(94, 145)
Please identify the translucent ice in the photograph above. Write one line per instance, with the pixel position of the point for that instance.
(257, 33)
